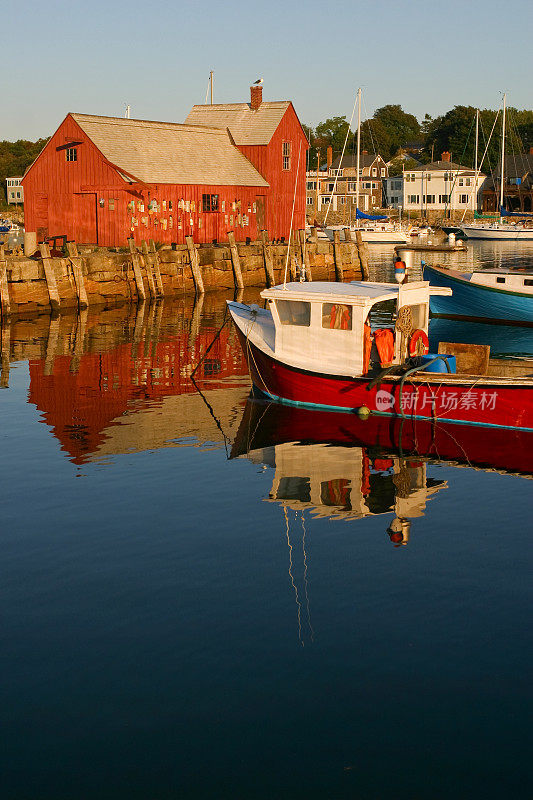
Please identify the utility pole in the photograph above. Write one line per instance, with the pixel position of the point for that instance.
(211, 74)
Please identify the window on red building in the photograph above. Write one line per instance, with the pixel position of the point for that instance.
(210, 202)
(286, 151)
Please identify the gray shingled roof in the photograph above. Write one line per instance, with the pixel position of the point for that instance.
(515, 166)
(350, 160)
(245, 125)
(445, 166)
(166, 152)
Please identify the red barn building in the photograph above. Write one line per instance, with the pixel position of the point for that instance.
(100, 180)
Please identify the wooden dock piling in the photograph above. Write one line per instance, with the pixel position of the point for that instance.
(267, 260)
(195, 265)
(156, 269)
(363, 255)
(137, 273)
(5, 305)
(75, 263)
(235, 261)
(337, 255)
(152, 290)
(50, 276)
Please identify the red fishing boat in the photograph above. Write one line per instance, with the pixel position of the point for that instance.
(314, 346)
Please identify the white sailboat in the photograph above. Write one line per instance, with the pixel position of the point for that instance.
(374, 228)
(510, 231)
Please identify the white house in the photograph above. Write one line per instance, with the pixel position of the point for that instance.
(14, 192)
(442, 185)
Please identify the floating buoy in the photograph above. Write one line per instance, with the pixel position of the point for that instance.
(363, 412)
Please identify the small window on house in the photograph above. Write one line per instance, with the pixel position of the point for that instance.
(71, 154)
(374, 172)
(111, 204)
(294, 312)
(383, 172)
(170, 205)
(18, 195)
(309, 201)
(210, 202)
(463, 198)
(460, 181)
(468, 181)
(286, 153)
(337, 316)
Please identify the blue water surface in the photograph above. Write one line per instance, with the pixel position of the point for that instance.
(171, 630)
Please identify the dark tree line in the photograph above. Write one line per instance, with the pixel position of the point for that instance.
(392, 132)
(15, 158)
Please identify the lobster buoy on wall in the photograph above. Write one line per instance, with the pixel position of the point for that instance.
(419, 343)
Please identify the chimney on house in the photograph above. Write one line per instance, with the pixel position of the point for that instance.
(446, 156)
(256, 97)
(329, 158)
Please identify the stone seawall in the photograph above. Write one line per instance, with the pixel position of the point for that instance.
(48, 281)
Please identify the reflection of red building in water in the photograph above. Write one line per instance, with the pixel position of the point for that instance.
(80, 405)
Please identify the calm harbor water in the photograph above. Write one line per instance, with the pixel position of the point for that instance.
(200, 599)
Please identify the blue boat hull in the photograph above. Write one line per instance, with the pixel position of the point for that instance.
(472, 301)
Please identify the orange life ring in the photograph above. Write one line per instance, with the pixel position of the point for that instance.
(419, 343)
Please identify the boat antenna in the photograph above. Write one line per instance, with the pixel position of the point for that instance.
(503, 156)
(292, 215)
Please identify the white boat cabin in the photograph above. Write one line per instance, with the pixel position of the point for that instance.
(320, 326)
(503, 279)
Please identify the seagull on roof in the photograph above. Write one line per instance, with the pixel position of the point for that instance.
(258, 82)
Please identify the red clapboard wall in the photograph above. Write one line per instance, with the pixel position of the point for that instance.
(268, 160)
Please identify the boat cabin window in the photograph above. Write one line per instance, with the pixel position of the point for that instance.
(500, 280)
(337, 316)
(294, 312)
(528, 282)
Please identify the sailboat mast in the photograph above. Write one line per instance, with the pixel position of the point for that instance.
(358, 151)
(474, 191)
(503, 156)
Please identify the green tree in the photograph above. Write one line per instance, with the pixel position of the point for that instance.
(332, 133)
(375, 138)
(399, 164)
(400, 126)
(16, 157)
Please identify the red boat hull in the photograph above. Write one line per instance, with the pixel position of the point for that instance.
(431, 396)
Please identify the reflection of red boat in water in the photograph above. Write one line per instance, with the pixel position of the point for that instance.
(268, 424)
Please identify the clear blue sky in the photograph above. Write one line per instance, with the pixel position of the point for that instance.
(94, 57)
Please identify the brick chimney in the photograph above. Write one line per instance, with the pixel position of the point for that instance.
(256, 97)
(329, 157)
(446, 156)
